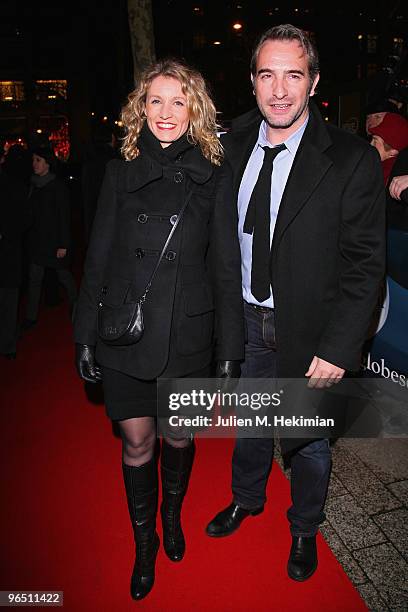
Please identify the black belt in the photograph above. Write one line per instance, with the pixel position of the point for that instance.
(263, 309)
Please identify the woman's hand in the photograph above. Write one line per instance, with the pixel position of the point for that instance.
(61, 253)
(398, 185)
(86, 365)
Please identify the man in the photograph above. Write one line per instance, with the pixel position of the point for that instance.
(310, 291)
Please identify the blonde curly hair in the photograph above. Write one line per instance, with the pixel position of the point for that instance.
(202, 130)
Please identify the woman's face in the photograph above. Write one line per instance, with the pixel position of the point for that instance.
(40, 166)
(166, 110)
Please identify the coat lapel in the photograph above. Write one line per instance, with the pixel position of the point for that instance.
(309, 167)
(141, 171)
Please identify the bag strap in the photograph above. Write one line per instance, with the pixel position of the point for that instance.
(166, 244)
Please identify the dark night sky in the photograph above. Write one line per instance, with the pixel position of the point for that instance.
(90, 40)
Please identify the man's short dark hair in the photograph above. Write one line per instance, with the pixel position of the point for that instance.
(289, 32)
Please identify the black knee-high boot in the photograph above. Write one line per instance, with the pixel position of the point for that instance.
(141, 490)
(176, 464)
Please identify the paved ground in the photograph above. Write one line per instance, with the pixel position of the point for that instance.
(367, 518)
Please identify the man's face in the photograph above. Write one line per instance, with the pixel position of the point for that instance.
(282, 86)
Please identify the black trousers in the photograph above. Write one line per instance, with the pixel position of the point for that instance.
(252, 458)
(36, 275)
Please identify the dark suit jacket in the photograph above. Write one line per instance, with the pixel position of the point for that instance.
(328, 252)
(198, 282)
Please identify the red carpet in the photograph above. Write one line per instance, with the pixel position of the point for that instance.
(64, 522)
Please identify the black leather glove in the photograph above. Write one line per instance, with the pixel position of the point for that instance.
(85, 363)
(228, 369)
(227, 372)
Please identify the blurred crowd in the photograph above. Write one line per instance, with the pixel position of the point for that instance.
(36, 237)
(37, 240)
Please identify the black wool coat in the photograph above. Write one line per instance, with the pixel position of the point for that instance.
(328, 251)
(51, 226)
(14, 220)
(198, 285)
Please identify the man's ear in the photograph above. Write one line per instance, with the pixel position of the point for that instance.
(313, 88)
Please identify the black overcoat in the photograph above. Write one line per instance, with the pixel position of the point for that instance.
(328, 250)
(198, 284)
(51, 226)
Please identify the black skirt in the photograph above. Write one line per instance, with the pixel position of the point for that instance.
(127, 397)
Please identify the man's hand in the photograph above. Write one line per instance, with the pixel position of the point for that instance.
(323, 374)
(398, 185)
(85, 363)
(61, 253)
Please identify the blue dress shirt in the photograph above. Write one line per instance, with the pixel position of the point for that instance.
(281, 168)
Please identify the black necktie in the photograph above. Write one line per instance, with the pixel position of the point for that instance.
(258, 221)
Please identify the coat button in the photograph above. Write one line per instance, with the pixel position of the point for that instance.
(173, 219)
(142, 218)
(104, 290)
(139, 253)
(178, 177)
(170, 255)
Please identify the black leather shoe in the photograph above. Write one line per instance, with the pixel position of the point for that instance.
(227, 521)
(302, 561)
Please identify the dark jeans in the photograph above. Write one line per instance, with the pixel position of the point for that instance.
(252, 458)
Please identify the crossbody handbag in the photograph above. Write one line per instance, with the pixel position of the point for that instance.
(124, 325)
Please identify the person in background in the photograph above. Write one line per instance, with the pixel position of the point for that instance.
(389, 137)
(14, 220)
(99, 153)
(49, 236)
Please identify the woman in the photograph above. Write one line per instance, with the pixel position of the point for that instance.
(49, 235)
(172, 155)
(389, 137)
